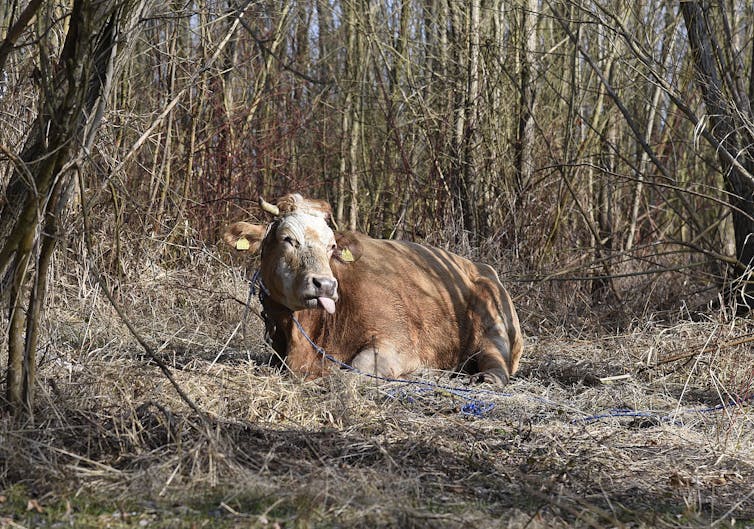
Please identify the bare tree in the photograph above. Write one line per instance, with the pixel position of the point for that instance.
(73, 91)
(355, 62)
(524, 147)
(720, 78)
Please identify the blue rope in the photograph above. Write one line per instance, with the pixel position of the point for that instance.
(477, 408)
(481, 408)
(671, 418)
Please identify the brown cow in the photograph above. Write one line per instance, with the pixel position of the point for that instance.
(384, 307)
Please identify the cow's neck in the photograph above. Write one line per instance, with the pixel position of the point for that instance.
(273, 309)
(279, 318)
(291, 342)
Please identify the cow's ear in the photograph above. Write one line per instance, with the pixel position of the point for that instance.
(244, 236)
(348, 247)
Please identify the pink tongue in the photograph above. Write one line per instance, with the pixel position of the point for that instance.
(327, 304)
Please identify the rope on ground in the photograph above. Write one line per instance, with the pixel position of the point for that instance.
(472, 407)
(477, 407)
(480, 408)
(671, 418)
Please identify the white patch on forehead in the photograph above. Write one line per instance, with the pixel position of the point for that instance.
(291, 267)
(307, 228)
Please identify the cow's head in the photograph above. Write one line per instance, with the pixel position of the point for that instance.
(296, 248)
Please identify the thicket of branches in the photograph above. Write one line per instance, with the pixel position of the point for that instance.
(572, 134)
(600, 143)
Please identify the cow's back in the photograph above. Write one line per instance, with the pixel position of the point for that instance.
(426, 301)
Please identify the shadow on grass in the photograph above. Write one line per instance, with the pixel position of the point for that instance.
(171, 473)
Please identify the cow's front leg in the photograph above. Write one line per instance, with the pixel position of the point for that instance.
(384, 360)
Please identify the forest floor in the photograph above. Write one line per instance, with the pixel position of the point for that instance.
(651, 426)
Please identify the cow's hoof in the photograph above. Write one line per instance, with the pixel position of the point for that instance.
(496, 377)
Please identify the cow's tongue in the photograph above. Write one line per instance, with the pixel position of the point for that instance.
(328, 304)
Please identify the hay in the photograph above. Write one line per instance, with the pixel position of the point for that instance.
(348, 451)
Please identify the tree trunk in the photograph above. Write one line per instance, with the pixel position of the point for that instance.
(729, 113)
(524, 148)
(70, 110)
(348, 182)
(471, 174)
(465, 165)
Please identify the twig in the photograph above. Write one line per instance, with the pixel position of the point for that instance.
(732, 509)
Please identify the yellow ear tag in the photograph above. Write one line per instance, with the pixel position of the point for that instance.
(242, 244)
(346, 255)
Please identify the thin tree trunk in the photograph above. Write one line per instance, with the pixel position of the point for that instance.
(16, 30)
(15, 376)
(348, 180)
(721, 111)
(471, 173)
(459, 44)
(644, 161)
(524, 150)
(54, 212)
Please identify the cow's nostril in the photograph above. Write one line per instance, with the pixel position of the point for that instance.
(325, 286)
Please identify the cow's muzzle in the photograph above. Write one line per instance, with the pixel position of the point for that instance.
(324, 291)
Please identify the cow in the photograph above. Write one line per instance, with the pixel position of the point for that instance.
(383, 307)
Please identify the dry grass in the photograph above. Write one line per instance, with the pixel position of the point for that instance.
(113, 445)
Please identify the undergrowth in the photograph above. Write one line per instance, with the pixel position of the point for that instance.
(112, 444)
